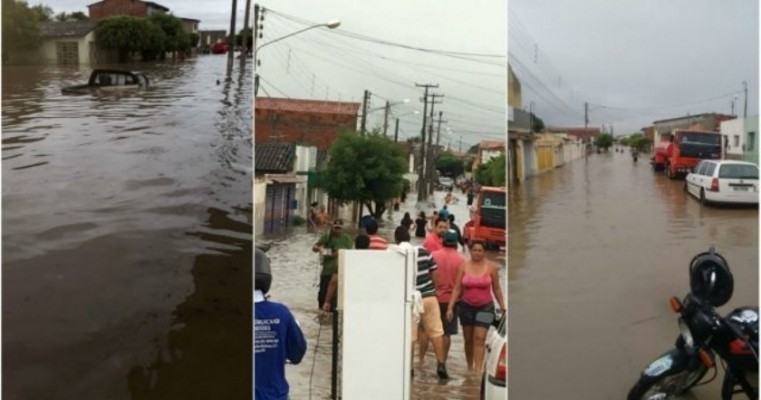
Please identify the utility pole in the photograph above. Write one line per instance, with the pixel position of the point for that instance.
(385, 117)
(460, 151)
(732, 103)
(436, 149)
(245, 33)
(421, 176)
(430, 167)
(365, 100)
(231, 41)
(256, 39)
(396, 131)
(745, 106)
(586, 122)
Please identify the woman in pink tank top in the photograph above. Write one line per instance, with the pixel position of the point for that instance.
(476, 280)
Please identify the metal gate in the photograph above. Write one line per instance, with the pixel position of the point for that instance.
(277, 216)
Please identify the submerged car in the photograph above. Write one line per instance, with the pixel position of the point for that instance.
(109, 80)
(446, 183)
(494, 379)
(723, 181)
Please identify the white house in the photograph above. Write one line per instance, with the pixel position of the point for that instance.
(70, 42)
(733, 133)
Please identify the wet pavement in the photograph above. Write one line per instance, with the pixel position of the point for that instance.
(295, 270)
(596, 250)
(127, 234)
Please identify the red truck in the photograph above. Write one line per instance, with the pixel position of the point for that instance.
(679, 152)
(489, 217)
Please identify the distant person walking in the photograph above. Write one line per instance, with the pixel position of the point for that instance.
(476, 280)
(454, 227)
(328, 246)
(407, 221)
(470, 197)
(420, 223)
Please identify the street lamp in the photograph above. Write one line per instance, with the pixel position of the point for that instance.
(330, 25)
(396, 130)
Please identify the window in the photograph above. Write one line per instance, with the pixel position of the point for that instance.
(67, 53)
(738, 171)
(736, 141)
(710, 167)
(701, 168)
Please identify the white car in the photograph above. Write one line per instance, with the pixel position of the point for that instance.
(494, 380)
(723, 181)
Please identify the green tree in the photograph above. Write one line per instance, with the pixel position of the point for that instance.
(20, 27)
(128, 35)
(194, 38)
(239, 38)
(367, 169)
(175, 37)
(493, 173)
(640, 142)
(474, 149)
(75, 16)
(537, 124)
(449, 165)
(604, 141)
(624, 141)
(414, 139)
(42, 13)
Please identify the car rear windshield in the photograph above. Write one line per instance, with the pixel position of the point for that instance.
(494, 200)
(738, 171)
(700, 138)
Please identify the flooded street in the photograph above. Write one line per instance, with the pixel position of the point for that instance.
(295, 270)
(596, 249)
(127, 234)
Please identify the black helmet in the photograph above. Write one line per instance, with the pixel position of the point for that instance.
(262, 271)
(710, 278)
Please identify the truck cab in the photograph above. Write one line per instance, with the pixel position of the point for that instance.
(488, 217)
(681, 151)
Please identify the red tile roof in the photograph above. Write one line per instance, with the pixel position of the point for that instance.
(307, 106)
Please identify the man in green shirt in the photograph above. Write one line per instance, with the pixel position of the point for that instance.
(328, 246)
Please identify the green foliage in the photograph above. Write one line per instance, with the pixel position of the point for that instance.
(493, 173)
(127, 34)
(194, 38)
(624, 141)
(20, 26)
(298, 220)
(42, 13)
(415, 139)
(449, 165)
(474, 149)
(537, 125)
(175, 37)
(604, 141)
(75, 16)
(363, 168)
(249, 41)
(640, 142)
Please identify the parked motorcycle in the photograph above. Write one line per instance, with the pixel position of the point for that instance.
(703, 334)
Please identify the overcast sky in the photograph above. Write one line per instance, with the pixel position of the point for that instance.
(634, 57)
(322, 64)
(214, 15)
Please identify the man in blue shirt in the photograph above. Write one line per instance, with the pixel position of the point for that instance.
(277, 337)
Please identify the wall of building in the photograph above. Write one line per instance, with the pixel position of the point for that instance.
(260, 194)
(319, 130)
(751, 139)
(733, 132)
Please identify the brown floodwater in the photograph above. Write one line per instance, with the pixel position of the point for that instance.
(295, 270)
(596, 249)
(127, 234)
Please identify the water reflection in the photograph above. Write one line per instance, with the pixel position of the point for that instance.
(126, 234)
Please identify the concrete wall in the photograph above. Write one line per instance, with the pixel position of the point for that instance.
(86, 48)
(260, 194)
(751, 139)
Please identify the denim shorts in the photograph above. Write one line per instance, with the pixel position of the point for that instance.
(482, 316)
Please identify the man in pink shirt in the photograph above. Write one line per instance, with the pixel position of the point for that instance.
(376, 242)
(434, 239)
(448, 260)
